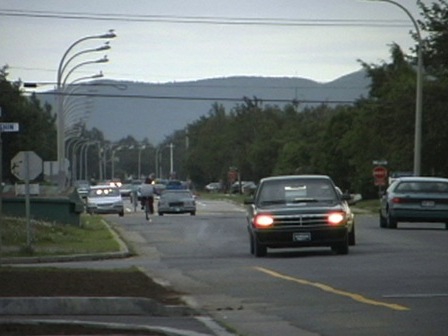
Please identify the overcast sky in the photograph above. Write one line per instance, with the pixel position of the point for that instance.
(161, 41)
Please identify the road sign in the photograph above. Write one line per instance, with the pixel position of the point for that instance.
(380, 175)
(380, 172)
(379, 162)
(26, 164)
(9, 127)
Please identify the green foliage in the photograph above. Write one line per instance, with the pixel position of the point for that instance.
(435, 43)
(37, 130)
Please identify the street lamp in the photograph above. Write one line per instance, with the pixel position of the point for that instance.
(419, 90)
(104, 47)
(158, 159)
(74, 162)
(95, 76)
(86, 175)
(104, 59)
(60, 86)
(171, 159)
(113, 159)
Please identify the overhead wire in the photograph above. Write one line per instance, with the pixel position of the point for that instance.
(190, 98)
(216, 20)
(203, 20)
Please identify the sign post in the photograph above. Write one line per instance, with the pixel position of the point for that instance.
(27, 165)
(380, 175)
(4, 127)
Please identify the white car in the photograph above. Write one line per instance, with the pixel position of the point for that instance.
(104, 199)
(213, 187)
(176, 201)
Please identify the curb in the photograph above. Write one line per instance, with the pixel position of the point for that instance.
(113, 327)
(89, 306)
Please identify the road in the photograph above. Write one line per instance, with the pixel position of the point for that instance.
(393, 282)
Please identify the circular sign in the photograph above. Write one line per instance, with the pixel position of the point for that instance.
(380, 172)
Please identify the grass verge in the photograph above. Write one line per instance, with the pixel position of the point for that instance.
(46, 239)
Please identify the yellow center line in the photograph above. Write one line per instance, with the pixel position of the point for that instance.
(326, 288)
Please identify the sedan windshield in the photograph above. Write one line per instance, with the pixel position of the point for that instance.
(176, 195)
(296, 191)
(422, 187)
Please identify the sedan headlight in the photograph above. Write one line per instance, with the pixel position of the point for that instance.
(337, 218)
(263, 221)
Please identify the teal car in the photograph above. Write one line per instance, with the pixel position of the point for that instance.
(414, 199)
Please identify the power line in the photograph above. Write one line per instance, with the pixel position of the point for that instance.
(215, 20)
(188, 98)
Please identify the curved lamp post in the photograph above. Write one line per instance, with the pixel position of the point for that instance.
(84, 151)
(419, 90)
(60, 86)
(74, 88)
(85, 51)
(75, 120)
(104, 59)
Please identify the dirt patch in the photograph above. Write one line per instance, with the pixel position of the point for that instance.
(53, 282)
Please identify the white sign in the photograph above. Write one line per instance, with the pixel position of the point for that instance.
(9, 127)
(26, 164)
(21, 190)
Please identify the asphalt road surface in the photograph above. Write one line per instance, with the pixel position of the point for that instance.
(393, 282)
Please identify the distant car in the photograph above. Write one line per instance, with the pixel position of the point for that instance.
(394, 175)
(175, 185)
(299, 211)
(243, 187)
(104, 199)
(213, 187)
(135, 190)
(126, 189)
(414, 199)
(82, 187)
(249, 188)
(176, 201)
(159, 185)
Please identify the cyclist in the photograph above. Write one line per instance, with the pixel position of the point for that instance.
(147, 197)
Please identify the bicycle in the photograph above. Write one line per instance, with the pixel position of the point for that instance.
(134, 200)
(149, 207)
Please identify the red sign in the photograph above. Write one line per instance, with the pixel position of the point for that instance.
(380, 175)
(232, 176)
(380, 172)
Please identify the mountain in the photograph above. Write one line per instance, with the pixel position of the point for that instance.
(154, 111)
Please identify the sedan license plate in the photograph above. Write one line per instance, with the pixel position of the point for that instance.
(301, 236)
(428, 203)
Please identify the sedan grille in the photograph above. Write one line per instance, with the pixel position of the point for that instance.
(301, 220)
(176, 204)
(105, 205)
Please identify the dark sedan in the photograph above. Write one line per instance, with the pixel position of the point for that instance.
(415, 199)
(299, 211)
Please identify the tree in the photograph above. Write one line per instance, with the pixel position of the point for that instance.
(37, 130)
(435, 44)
